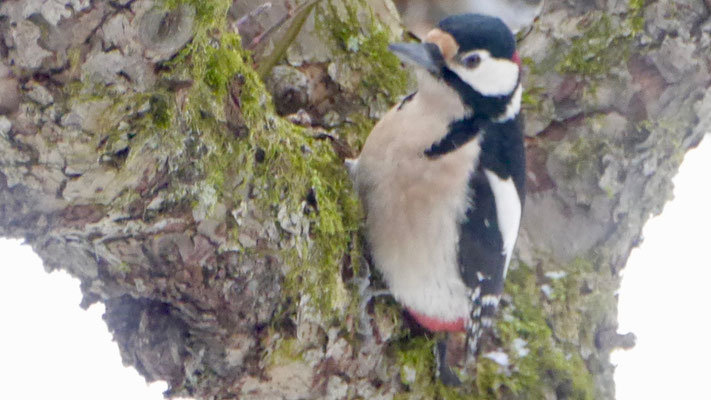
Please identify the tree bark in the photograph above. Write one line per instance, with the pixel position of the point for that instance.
(141, 151)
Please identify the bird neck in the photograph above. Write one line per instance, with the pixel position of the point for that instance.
(472, 124)
(441, 99)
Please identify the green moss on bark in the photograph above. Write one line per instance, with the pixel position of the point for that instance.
(276, 165)
(604, 42)
(293, 165)
(547, 363)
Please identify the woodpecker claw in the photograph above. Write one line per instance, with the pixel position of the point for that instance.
(351, 165)
(366, 294)
(365, 327)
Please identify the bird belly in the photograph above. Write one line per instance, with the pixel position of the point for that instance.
(413, 220)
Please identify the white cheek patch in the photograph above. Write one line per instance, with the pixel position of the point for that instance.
(493, 76)
(508, 212)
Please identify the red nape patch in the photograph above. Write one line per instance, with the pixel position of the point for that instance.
(437, 325)
(516, 58)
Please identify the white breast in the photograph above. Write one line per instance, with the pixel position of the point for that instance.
(413, 227)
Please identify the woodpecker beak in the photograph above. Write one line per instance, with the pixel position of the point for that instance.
(425, 55)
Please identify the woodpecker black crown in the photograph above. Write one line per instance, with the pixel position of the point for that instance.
(476, 31)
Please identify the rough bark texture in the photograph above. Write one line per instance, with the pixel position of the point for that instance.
(141, 152)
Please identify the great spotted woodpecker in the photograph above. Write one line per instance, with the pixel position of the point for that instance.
(441, 177)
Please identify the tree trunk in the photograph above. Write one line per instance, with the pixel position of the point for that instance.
(141, 151)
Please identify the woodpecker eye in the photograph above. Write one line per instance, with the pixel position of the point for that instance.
(472, 61)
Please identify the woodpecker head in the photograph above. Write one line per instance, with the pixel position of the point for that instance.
(475, 55)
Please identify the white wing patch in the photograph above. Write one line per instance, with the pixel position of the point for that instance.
(508, 211)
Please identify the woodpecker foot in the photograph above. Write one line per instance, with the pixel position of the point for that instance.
(364, 326)
(366, 293)
(351, 165)
(444, 373)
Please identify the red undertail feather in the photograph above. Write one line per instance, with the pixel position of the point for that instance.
(436, 325)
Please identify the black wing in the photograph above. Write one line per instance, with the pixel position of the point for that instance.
(481, 258)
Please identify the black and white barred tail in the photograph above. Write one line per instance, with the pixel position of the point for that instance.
(483, 310)
(474, 328)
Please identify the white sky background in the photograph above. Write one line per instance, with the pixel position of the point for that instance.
(665, 298)
(49, 347)
(52, 349)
